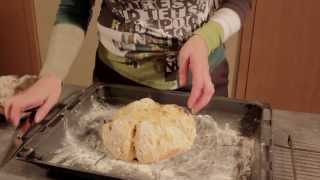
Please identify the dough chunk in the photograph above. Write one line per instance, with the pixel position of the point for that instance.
(149, 132)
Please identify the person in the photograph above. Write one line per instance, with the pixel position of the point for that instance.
(163, 44)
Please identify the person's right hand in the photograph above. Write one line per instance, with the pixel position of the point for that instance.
(44, 94)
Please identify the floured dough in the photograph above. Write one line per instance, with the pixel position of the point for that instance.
(10, 85)
(149, 132)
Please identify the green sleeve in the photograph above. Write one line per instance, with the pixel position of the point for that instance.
(77, 12)
(212, 33)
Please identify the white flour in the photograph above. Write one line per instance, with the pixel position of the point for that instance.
(219, 153)
(7, 87)
(10, 85)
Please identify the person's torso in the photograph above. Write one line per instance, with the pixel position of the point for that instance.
(159, 18)
(141, 38)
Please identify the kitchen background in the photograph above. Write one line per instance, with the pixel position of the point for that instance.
(45, 14)
(275, 59)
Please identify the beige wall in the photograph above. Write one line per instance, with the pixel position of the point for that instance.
(233, 51)
(81, 71)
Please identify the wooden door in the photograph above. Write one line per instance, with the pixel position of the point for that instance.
(280, 59)
(19, 49)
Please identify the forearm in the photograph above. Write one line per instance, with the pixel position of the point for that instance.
(72, 21)
(65, 44)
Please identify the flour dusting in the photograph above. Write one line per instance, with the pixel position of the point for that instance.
(218, 153)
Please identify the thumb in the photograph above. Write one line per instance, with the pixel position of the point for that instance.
(44, 109)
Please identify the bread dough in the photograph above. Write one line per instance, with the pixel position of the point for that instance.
(11, 85)
(149, 132)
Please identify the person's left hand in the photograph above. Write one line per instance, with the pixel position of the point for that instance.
(193, 56)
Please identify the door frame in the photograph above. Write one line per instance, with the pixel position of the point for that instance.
(32, 28)
(245, 53)
(20, 50)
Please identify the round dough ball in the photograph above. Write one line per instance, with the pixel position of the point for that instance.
(149, 132)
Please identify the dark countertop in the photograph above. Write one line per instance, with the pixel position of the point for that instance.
(306, 126)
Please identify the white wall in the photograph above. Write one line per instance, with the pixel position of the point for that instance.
(81, 71)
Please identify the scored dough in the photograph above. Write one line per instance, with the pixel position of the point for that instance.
(149, 132)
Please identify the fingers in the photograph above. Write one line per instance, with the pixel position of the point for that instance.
(16, 106)
(194, 56)
(197, 86)
(204, 99)
(202, 89)
(45, 93)
(15, 114)
(44, 109)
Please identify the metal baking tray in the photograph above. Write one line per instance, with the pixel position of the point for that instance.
(43, 141)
